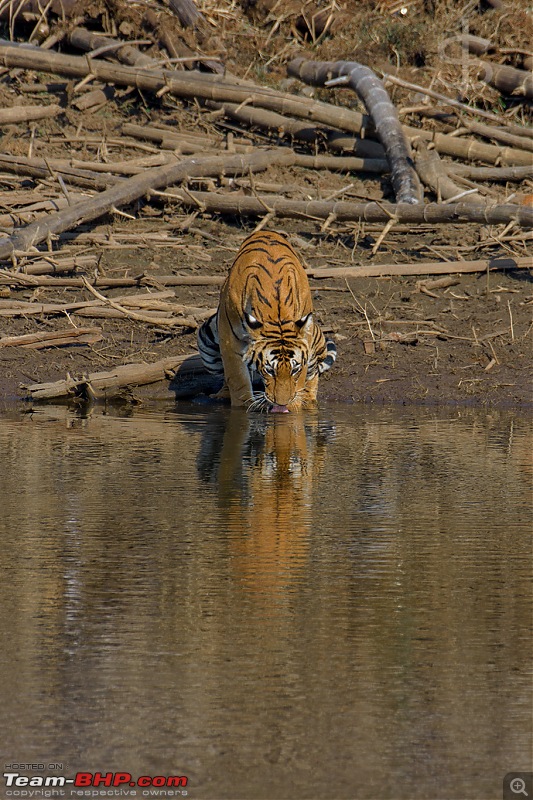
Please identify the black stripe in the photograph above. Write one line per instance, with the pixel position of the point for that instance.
(208, 346)
(268, 241)
(267, 252)
(263, 298)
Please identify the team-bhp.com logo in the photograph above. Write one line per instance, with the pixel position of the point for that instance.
(94, 784)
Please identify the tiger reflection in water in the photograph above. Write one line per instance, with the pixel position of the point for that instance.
(265, 469)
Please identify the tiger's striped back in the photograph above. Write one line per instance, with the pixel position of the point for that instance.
(264, 324)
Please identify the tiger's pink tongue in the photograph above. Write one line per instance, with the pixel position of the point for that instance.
(279, 410)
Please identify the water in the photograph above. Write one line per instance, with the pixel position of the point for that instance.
(282, 606)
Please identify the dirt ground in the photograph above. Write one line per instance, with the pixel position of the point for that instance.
(468, 343)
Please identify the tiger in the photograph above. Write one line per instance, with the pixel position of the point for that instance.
(264, 330)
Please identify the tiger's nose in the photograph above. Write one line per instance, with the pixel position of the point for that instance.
(282, 396)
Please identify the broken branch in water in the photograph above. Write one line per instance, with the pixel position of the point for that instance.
(370, 89)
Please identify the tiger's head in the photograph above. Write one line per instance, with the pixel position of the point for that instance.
(281, 361)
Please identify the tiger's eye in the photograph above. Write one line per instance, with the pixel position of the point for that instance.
(301, 322)
(253, 323)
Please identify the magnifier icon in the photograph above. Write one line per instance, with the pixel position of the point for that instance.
(518, 786)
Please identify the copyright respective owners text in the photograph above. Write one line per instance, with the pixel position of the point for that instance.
(36, 780)
(518, 785)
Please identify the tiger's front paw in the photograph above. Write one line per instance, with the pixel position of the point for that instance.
(223, 394)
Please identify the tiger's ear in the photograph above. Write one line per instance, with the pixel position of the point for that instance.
(304, 320)
(251, 321)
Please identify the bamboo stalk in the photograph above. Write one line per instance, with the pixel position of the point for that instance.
(341, 211)
(472, 150)
(519, 130)
(212, 87)
(59, 264)
(140, 317)
(490, 132)
(331, 162)
(152, 308)
(301, 131)
(39, 168)
(9, 116)
(160, 319)
(505, 78)
(87, 40)
(39, 341)
(175, 46)
(434, 175)
(501, 174)
(422, 268)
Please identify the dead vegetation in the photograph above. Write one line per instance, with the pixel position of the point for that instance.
(131, 129)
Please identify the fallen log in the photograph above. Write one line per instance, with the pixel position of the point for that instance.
(124, 51)
(490, 132)
(102, 385)
(422, 268)
(498, 174)
(10, 278)
(9, 116)
(63, 338)
(433, 173)
(130, 189)
(370, 89)
(341, 211)
(506, 79)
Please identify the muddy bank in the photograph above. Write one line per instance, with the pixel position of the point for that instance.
(399, 339)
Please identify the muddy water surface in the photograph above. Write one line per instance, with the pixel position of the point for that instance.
(284, 606)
